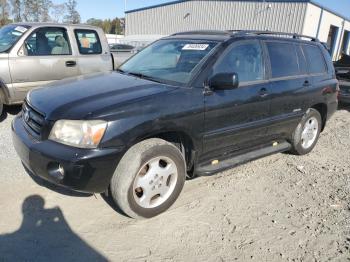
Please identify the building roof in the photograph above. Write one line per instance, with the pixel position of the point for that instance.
(267, 1)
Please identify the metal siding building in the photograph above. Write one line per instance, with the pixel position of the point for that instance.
(218, 15)
(292, 16)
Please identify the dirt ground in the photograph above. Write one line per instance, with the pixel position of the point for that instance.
(279, 208)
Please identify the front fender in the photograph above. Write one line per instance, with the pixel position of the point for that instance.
(5, 76)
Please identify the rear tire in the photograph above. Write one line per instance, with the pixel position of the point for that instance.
(149, 178)
(306, 134)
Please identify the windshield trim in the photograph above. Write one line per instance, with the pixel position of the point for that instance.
(19, 38)
(196, 70)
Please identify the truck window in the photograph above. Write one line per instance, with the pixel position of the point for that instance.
(245, 59)
(47, 41)
(316, 60)
(9, 35)
(88, 42)
(284, 59)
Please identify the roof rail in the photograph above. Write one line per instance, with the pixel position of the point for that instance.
(204, 32)
(293, 35)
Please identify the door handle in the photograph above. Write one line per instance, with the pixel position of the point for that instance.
(263, 92)
(71, 63)
(306, 83)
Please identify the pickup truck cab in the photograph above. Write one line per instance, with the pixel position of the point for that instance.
(193, 103)
(35, 54)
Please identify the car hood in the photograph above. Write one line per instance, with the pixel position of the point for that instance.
(93, 96)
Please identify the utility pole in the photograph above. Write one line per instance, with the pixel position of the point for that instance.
(125, 6)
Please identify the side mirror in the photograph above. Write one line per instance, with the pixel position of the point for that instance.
(224, 81)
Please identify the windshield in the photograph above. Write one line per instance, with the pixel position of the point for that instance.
(172, 60)
(9, 35)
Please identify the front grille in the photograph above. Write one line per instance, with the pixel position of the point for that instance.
(33, 120)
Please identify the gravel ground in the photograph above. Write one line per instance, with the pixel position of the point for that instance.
(279, 208)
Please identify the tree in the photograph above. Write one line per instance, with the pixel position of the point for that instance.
(73, 16)
(109, 26)
(17, 9)
(116, 27)
(4, 12)
(45, 10)
(58, 12)
(36, 10)
(95, 22)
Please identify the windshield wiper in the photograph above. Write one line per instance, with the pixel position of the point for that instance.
(140, 75)
(120, 71)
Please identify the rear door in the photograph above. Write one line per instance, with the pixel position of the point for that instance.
(45, 56)
(94, 55)
(236, 119)
(290, 86)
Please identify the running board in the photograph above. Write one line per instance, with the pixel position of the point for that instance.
(219, 166)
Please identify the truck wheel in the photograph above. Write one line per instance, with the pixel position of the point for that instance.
(306, 134)
(149, 178)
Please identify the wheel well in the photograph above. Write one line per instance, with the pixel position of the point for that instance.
(183, 142)
(322, 109)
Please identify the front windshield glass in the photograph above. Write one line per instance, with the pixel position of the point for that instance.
(169, 61)
(9, 35)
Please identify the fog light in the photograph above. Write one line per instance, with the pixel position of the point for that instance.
(56, 171)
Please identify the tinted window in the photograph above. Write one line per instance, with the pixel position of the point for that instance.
(302, 60)
(47, 41)
(88, 42)
(284, 60)
(245, 59)
(315, 58)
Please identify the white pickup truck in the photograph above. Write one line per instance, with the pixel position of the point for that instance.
(35, 54)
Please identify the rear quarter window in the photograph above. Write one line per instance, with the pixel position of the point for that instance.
(283, 58)
(88, 42)
(315, 58)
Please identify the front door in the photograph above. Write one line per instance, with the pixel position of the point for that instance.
(236, 119)
(45, 56)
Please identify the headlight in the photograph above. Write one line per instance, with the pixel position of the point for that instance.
(77, 133)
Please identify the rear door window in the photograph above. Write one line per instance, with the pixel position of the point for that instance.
(315, 58)
(88, 42)
(284, 59)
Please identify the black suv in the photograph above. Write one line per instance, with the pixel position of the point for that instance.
(193, 103)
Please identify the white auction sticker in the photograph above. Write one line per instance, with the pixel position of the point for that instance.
(21, 29)
(199, 47)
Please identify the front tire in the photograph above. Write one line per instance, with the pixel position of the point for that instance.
(149, 178)
(307, 133)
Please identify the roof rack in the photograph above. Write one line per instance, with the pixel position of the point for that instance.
(254, 32)
(204, 32)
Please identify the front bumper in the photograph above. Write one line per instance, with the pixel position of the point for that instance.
(85, 170)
